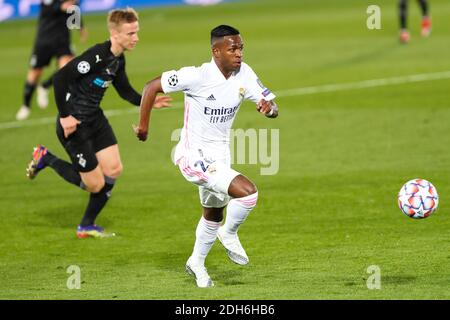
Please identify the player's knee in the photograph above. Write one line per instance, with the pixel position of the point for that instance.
(114, 171)
(250, 189)
(118, 169)
(34, 75)
(241, 187)
(95, 186)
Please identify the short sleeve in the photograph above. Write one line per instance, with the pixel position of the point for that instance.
(255, 90)
(185, 79)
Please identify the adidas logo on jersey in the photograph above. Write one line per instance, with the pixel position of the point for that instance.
(211, 98)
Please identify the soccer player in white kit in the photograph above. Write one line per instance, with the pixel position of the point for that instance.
(213, 94)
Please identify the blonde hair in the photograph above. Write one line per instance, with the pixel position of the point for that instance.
(117, 17)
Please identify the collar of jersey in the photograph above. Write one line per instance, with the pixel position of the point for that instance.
(215, 71)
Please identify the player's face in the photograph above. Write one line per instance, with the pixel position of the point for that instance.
(230, 52)
(127, 35)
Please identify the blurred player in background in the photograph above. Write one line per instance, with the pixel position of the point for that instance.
(52, 40)
(213, 95)
(82, 128)
(403, 13)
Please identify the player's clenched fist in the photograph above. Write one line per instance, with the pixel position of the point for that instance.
(268, 108)
(140, 133)
(69, 125)
(263, 106)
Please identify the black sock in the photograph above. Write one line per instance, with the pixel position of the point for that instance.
(424, 6)
(28, 93)
(403, 12)
(64, 169)
(48, 83)
(96, 202)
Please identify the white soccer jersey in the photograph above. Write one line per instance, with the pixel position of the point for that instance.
(211, 104)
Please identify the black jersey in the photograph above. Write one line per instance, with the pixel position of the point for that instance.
(52, 25)
(81, 84)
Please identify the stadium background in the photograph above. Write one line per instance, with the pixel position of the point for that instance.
(327, 216)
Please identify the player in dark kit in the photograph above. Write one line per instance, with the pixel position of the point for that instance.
(52, 40)
(82, 128)
(403, 13)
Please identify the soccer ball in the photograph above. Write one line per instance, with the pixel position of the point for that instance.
(418, 199)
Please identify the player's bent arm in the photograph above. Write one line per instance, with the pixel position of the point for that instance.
(62, 95)
(125, 90)
(149, 93)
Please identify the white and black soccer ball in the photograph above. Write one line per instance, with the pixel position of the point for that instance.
(83, 67)
(418, 199)
(173, 80)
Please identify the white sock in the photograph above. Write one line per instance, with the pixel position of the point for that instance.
(206, 235)
(238, 210)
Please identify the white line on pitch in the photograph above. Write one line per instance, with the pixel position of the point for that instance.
(49, 120)
(365, 84)
(282, 93)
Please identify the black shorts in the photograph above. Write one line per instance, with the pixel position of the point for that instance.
(86, 141)
(43, 52)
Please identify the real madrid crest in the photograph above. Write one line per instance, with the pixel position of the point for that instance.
(241, 93)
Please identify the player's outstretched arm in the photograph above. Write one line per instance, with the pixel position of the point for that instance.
(268, 108)
(149, 93)
(126, 91)
(124, 88)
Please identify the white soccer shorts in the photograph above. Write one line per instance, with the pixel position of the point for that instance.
(213, 176)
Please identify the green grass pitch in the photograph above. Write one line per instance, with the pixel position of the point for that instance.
(328, 214)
